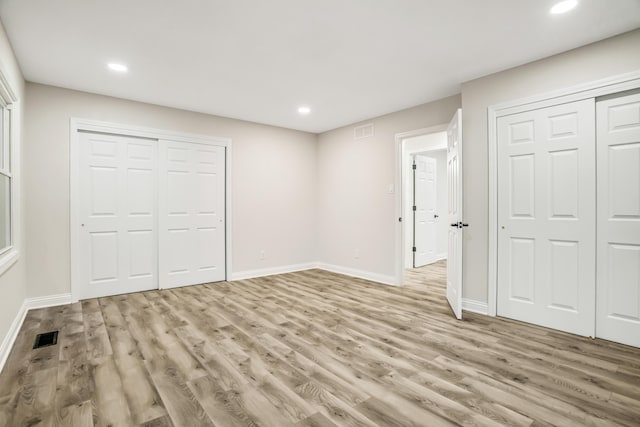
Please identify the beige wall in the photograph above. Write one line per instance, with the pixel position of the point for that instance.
(607, 58)
(13, 284)
(273, 181)
(355, 210)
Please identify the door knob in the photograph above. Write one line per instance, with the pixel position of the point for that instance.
(459, 224)
(436, 215)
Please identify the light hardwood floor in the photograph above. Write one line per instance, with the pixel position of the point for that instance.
(309, 349)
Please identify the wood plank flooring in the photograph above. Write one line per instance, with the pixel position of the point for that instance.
(309, 349)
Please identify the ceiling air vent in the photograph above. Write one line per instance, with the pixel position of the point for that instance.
(363, 131)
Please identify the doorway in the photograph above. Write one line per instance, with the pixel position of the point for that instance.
(426, 189)
(424, 185)
(450, 138)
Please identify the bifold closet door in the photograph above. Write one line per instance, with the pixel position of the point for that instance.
(118, 214)
(546, 217)
(618, 281)
(192, 213)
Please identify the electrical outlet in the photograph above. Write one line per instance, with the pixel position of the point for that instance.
(262, 256)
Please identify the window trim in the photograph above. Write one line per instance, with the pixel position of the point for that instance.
(8, 99)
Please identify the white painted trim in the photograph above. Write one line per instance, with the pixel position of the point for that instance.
(28, 304)
(492, 258)
(360, 274)
(145, 132)
(11, 103)
(228, 216)
(7, 259)
(347, 271)
(588, 90)
(262, 272)
(12, 334)
(398, 278)
(475, 306)
(79, 124)
(74, 199)
(48, 301)
(6, 91)
(606, 86)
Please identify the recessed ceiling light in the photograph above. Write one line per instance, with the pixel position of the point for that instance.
(563, 6)
(304, 110)
(118, 67)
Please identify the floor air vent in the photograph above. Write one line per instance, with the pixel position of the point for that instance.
(46, 339)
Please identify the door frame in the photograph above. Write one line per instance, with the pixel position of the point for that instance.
(593, 89)
(400, 214)
(77, 125)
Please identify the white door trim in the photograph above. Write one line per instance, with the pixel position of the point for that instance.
(79, 124)
(399, 179)
(592, 89)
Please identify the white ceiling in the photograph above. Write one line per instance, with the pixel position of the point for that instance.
(259, 60)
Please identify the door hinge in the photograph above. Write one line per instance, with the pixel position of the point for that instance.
(415, 208)
(414, 166)
(414, 249)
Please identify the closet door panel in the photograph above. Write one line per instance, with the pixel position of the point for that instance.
(118, 214)
(546, 217)
(192, 220)
(618, 235)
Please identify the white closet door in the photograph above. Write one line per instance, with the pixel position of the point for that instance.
(618, 281)
(546, 217)
(192, 214)
(425, 202)
(118, 236)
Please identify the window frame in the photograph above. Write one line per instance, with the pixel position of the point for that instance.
(9, 128)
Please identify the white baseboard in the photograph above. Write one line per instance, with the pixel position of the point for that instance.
(250, 274)
(14, 329)
(361, 274)
(474, 306)
(12, 334)
(440, 257)
(48, 301)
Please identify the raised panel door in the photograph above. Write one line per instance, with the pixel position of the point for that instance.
(546, 217)
(618, 279)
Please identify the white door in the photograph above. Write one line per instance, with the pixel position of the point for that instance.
(546, 217)
(425, 200)
(618, 237)
(192, 214)
(118, 236)
(454, 185)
